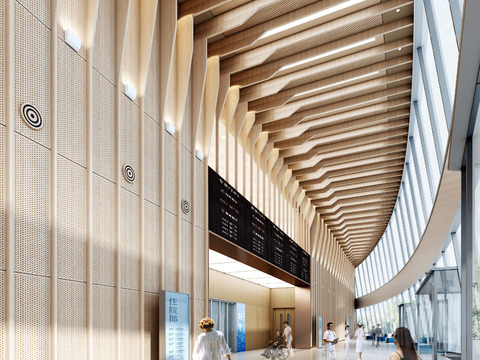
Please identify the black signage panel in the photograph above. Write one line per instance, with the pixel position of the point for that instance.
(234, 218)
(226, 211)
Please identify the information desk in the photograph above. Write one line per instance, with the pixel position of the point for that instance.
(235, 219)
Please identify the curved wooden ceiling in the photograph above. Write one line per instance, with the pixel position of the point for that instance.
(330, 96)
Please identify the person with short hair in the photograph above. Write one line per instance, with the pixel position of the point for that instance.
(329, 337)
(360, 336)
(347, 340)
(372, 333)
(405, 345)
(210, 345)
(287, 335)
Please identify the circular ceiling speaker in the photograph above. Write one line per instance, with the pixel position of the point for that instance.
(128, 173)
(185, 207)
(31, 116)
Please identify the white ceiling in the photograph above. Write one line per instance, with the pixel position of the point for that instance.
(235, 268)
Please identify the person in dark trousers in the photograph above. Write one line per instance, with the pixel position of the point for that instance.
(273, 345)
(405, 345)
(372, 333)
(378, 334)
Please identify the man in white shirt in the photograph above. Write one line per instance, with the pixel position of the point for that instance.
(329, 336)
(287, 335)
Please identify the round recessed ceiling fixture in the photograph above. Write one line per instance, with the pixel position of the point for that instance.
(31, 116)
(129, 173)
(398, 10)
(185, 207)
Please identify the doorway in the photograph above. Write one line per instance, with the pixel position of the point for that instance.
(224, 314)
(281, 315)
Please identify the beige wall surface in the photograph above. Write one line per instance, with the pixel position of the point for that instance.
(83, 252)
(257, 300)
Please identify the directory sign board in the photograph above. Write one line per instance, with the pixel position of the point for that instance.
(174, 326)
(236, 220)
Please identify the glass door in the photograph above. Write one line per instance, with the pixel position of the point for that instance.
(224, 315)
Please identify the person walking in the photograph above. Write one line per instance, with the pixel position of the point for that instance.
(372, 333)
(287, 335)
(405, 345)
(347, 340)
(329, 337)
(210, 345)
(378, 334)
(360, 336)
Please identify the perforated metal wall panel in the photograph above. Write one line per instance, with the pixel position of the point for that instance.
(72, 15)
(71, 104)
(131, 61)
(71, 209)
(72, 320)
(199, 200)
(151, 254)
(186, 180)
(130, 141)
(151, 326)
(103, 231)
(152, 160)
(130, 242)
(32, 317)
(104, 48)
(170, 168)
(152, 94)
(199, 263)
(170, 262)
(103, 126)
(2, 198)
(2, 314)
(185, 135)
(185, 267)
(32, 70)
(2, 65)
(104, 323)
(130, 325)
(199, 312)
(40, 9)
(32, 207)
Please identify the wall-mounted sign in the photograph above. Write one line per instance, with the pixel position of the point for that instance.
(235, 219)
(174, 326)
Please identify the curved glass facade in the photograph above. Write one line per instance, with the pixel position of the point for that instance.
(436, 33)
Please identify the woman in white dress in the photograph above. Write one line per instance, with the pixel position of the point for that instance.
(347, 340)
(210, 345)
(360, 335)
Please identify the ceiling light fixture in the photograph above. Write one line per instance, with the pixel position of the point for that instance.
(328, 53)
(337, 83)
(398, 10)
(311, 17)
(232, 267)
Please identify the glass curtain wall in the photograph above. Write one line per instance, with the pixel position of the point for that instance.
(436, 32)
(473, 247)
(387, 313)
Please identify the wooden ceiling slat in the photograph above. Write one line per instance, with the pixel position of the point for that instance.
(259, 54)
(268, 70)
(332, 131)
